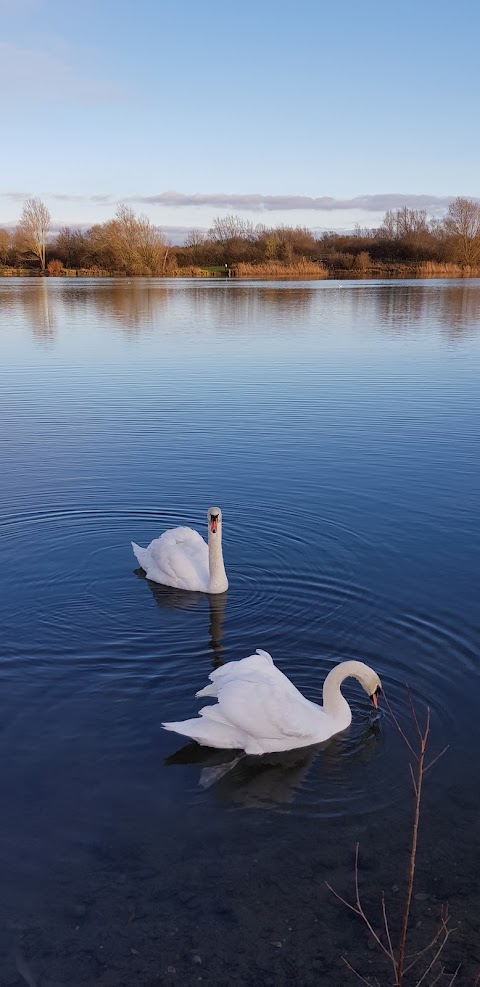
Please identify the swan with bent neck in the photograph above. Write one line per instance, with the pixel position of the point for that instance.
(181, 558)
(260, 711)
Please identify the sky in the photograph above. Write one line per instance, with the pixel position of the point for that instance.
(303, 112)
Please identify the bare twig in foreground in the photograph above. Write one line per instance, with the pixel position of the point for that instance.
(397, 956)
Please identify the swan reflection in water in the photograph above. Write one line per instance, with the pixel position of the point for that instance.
(168, 598)
(271, 780)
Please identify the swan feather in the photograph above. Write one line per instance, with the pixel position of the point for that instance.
(259, 710)
(181, 558)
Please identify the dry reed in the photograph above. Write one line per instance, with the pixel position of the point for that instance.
(433, 269)
(275, 269)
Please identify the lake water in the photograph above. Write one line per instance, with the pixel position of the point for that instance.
(337, 426)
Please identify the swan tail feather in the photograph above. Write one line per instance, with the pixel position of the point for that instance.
(264, 654)
(141, 555)
(206, 732)
(209, 690)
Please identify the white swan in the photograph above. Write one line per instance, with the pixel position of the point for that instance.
(259, 710)
(181, 558)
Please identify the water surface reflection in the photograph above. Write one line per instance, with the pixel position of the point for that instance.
(141, 305)
(337, 426)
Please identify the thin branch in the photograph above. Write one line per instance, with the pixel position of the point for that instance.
(413, 781)
(437, 978)
(457, 971)
(427, 729)
(411, 874)
(399, 957)
(448, 932)
(357, 892)
(435, 759)
(401, 732)
(357, 974)
(385, 922)
(358, 909)
(343, 900)
(370, 928)
(414, 713)
(444, 918)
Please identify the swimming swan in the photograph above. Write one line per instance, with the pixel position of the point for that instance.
(181, 558)
(260, 711)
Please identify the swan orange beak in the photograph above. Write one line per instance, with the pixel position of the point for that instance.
(374, 699)
(213, 523)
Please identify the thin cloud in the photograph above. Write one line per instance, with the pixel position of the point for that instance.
(279, 203)
(23, 69)
(16, 196)
(256, 202)
(100, 200)
(66, 197)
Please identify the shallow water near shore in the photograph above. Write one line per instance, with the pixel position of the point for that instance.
(337, 426)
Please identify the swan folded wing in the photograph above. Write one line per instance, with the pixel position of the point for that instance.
(260, 663)
(262, 708)
(182, 554)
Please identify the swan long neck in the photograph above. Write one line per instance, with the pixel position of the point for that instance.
(333, 701)
(218, 576)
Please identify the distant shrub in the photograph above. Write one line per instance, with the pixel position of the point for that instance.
(341, 260)
(55, 268)
(362, 261)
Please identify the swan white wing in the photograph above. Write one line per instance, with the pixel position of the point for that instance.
(184, 553)
(236, 670)
(254, 696)
(178, 558)
(264, 712)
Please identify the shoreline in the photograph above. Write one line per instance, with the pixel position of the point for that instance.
(374, 274)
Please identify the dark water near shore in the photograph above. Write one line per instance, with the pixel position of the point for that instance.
(337, 426)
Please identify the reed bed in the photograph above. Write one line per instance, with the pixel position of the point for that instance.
(275, 269)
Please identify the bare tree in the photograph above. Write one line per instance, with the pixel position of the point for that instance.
(71, 246)
(227, 228)
(138, 242)
(128, 243)
(401, 223)
(462, 223)
(195, 238)
(32, 230)
(4, 244)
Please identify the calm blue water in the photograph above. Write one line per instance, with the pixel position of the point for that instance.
(337, 426)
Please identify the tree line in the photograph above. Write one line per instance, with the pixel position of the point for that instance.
(131, 245)
(126, 244)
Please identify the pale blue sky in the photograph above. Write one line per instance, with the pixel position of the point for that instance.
(131, 100)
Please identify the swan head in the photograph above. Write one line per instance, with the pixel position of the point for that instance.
(374, 696)
(214, 516)
(367, 677)
(371, 683)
